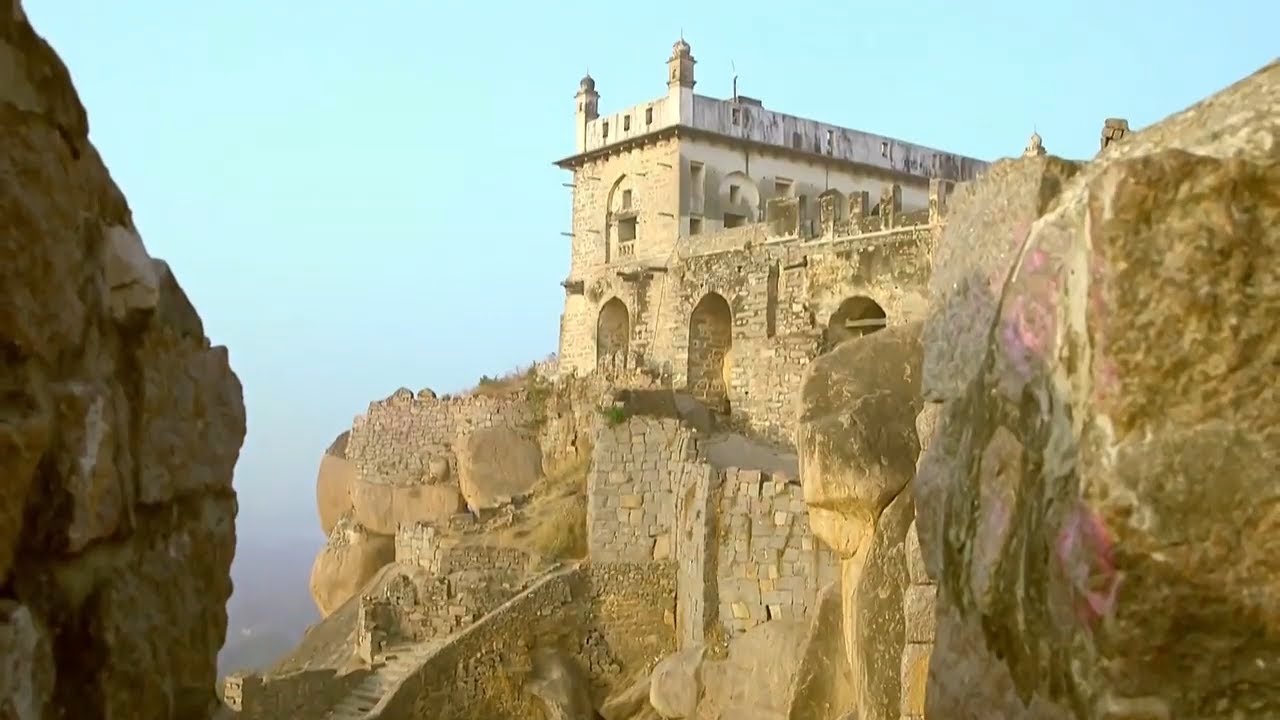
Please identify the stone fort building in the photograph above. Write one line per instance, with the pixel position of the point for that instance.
(724, 245)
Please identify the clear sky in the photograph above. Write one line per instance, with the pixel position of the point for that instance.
(359, 195)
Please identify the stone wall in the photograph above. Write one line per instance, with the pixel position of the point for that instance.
(776, 290)
(613, 618)
(297, 695)
(636, 465)
(745, 554)
(421, 544)
(769, 565)
(395, 440)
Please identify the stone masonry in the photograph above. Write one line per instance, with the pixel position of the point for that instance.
(740, 538)
(723, 245)
(630, 488)
(769, 563)
(397, 438)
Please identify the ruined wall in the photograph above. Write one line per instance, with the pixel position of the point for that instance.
(769, 564)
(615, 619)
(295, 695)
(745, 554)
(395, 440)
(120, 426)
(630, 489)
(422, 544)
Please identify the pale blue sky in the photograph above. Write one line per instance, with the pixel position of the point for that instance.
(359, 195)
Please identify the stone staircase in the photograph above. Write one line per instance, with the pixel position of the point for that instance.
(398, 663)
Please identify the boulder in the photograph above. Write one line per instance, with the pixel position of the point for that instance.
(497, 464)
(560, 685)
(752, 681)
(382, 507)
(349, 559)
(333, 484)
(856, 438)
(1098, 503)
(120, 425)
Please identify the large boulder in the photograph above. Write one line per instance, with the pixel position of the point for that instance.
(351, 556)
(119, 428)
(496, 464)
(1098, 503)
(857, 443)
(382, 507)
(333, 484)
(752, 681)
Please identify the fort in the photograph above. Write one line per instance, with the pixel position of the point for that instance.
(717, 249)
(738, 280)
(723, 245)
(838, 427)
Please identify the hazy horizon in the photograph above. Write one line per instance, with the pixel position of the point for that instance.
(361, 197)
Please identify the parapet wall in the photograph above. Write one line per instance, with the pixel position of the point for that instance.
(395, 440)
(295, 695)
(613, 618)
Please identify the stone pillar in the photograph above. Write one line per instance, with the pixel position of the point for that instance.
(939, 191)
(919, 602)
(1113, 130)
(858, 205)
(890, 205)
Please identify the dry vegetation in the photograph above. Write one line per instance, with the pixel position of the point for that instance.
(554, 522)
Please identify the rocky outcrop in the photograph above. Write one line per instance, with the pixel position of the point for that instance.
(857, 443)
(350, 558)
(334, 484)
(752, 681)
(119, 429)
(1098, 504)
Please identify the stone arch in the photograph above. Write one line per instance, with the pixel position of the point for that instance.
(621, 218)
(710, 345)
(613, 335)
(857, 316)
(739, 198)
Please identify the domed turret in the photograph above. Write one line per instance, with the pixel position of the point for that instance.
(680, 65)
(587, 84)
(1035, 146)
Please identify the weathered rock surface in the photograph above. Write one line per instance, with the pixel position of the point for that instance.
(381, 507)
(857, 442)
(349, 559)
(823, 686)
(119, 429)
(1099, 502)
(333, 484)
(496, 464)
(561, 685)
(752, 682)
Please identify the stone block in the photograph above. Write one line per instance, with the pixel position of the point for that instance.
(914, 678)
(918, 604)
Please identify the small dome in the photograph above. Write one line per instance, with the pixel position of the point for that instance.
(587, 84)
(1036, 140)
(680, 48)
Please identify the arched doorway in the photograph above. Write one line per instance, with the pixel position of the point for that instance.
(856, 317)
(613, 335)
(710, 341)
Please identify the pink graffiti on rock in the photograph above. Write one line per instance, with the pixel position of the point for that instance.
(1086, 554)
